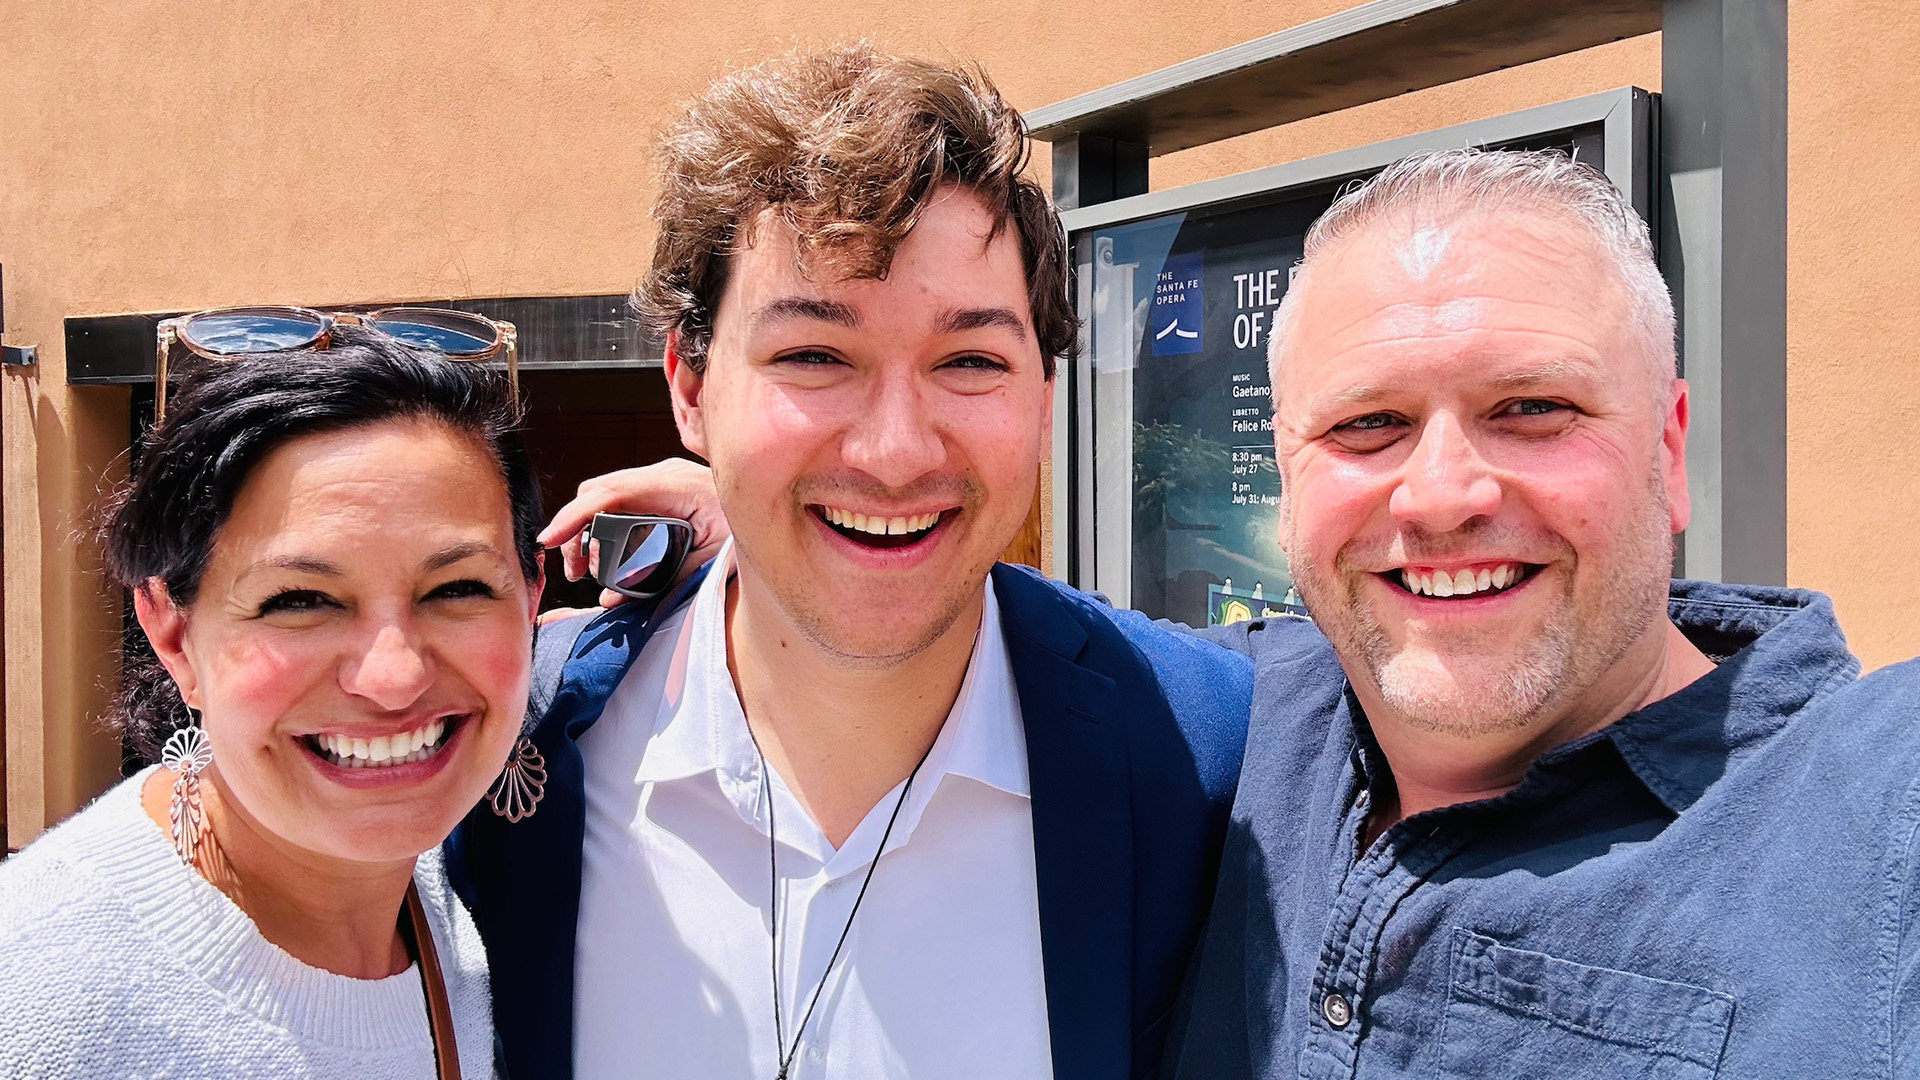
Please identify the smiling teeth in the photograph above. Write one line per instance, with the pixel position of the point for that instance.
(1461, 582)
(384, 750)
(877, 525)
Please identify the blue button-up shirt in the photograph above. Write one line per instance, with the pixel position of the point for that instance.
(1720, 884)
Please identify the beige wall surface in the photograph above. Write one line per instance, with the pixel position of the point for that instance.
(166, 155)
(1853, 313)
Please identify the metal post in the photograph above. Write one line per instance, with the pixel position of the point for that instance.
(1090, 169)
(1087, 169)
(1723, 227)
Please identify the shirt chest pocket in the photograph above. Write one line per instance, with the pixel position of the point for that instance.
(1514, 1013)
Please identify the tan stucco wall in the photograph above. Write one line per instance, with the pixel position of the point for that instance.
(1853, 317)
(161, 156)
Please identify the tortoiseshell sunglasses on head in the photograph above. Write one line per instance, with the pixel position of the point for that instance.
(228, 332)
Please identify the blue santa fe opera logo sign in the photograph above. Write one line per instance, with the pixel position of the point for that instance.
(1174, 323)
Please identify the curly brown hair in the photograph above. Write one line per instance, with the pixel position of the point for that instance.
(846, 145)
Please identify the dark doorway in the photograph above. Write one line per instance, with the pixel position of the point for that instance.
(584, 423)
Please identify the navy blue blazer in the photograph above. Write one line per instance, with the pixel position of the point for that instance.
(1134, 738)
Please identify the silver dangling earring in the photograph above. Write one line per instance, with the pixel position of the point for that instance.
(522, 784)
(188, 754)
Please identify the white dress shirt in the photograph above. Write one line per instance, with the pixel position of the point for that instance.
(941, 974)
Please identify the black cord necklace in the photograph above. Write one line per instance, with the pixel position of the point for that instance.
(785, 1053)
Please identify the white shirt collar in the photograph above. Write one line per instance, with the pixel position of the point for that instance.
(702, 730)
(987, 740)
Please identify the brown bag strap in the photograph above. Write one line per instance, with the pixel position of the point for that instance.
(439, 1010)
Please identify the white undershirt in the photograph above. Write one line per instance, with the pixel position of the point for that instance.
(941, 974)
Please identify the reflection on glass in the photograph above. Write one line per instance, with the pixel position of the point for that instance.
(1186, 492)
(640, 558)
(455, 337)
(235, 333)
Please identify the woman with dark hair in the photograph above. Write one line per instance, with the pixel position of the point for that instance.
(332, 553)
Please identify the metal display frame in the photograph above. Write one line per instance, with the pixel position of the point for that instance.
(1620, 125)
(1719, 178)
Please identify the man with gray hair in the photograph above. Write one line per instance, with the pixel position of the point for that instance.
(1562, 816)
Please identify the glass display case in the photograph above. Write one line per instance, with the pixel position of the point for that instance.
(1168, 483)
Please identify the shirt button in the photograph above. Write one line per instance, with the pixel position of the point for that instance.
(1337, 1010)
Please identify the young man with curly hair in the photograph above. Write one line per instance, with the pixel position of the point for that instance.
(863, 802)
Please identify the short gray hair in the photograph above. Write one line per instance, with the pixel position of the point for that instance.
(1545, 182)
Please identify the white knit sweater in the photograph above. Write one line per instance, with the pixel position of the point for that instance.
(116, 960)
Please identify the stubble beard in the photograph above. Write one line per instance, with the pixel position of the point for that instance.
(848, 651)
(1578, 643)
(810, 614)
